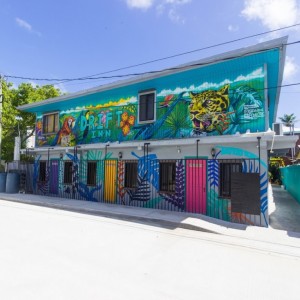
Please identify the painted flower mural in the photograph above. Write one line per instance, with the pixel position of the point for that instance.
(127, 122)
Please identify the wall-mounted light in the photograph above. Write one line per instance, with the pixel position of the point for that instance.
(178, 149)
(120, 155)
(105, 153)
(140, 148)
(213, 152)
(61, 155)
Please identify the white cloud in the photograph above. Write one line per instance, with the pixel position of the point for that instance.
(177, 1)
(174, 16)
(142, 4)
(61, 87)
(233, 27)
(290, 68)
(170, 7)
(273, 14)
(25, 25)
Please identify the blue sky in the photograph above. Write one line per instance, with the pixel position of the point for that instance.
(69, 39)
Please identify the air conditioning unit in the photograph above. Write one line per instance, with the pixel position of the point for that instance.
(277, 128)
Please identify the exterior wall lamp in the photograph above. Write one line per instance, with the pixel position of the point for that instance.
(105, 153)
(120, 155)
(213, 152)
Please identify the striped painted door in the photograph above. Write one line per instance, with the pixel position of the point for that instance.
(196, 186)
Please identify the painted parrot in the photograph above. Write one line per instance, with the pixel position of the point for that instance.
(65, 130)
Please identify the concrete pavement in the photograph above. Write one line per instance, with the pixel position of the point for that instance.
(284, 210)
(50, 254)
(287, 235)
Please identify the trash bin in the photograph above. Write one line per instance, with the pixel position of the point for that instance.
(12, 183)
(3, 182)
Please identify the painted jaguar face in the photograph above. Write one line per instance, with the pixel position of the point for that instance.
(207, 108)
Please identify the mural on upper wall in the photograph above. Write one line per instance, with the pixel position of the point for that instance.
(211, 108)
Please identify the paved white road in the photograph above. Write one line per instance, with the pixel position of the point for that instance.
(52, 254)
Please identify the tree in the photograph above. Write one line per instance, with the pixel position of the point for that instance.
(288, 121)
(12, 97)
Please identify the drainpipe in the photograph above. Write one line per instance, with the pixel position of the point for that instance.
(258, 141)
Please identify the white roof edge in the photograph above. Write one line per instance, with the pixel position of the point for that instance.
(279, 42)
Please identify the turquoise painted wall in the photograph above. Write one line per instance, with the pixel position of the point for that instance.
(290, 177)
(187, 105)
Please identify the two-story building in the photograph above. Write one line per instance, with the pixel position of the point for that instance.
(192, 138)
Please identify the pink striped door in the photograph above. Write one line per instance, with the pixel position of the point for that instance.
(196, 186)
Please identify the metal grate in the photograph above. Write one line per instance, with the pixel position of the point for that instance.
(42, 173)
(91, 173)
(131, 174)
(167, 174)
(68, 168)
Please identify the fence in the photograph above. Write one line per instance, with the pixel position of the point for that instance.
(202, 186)
(290, 177)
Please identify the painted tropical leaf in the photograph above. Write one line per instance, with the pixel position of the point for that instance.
(177, 120)
(147, 131)
(148, 165)
(213, 171)
(142, 192)
(88, 193)
(264, 195)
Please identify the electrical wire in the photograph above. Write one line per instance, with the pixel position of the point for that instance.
(93, 77)
(154, 71)
(195, 50)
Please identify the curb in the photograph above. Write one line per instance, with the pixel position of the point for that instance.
(114, 215)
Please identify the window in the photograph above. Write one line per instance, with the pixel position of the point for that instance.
(68, 172)
(50, 123)
(131, 174)
(42, 174)
(147, 107)
(226, 169)
(167, 176)
(91, 173)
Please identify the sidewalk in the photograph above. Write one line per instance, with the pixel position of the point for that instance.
(249, 235)
(284, 210)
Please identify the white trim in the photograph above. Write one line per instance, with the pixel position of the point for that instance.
(153, 91)
(49, 114)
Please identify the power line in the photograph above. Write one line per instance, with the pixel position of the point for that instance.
(150, 72)
(193, 51)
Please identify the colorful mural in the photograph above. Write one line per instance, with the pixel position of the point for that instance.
(210, 108)
(196, 183)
